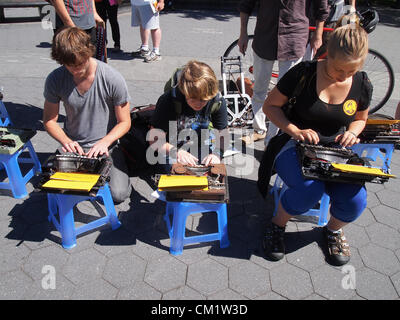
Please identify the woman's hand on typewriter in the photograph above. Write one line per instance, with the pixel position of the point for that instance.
(347, 139)
(306, 135)
(184, 157)
(73, 147)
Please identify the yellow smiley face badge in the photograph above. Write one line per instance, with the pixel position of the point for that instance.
(350, 107)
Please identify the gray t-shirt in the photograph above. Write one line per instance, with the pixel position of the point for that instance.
(89, 117)
(81, 13)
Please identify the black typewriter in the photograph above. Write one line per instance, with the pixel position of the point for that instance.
(381, 131)
(12, 139)
(337, 165)
(217, 180)
(71, 163)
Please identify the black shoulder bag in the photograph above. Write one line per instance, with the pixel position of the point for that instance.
(277, 142)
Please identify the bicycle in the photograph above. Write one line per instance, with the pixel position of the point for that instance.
(377, 67)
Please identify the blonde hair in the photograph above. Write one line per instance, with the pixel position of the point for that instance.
(198, 81)
(348, 41)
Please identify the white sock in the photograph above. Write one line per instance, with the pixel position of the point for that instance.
(156, 50)
(144, 47)
(334, 231)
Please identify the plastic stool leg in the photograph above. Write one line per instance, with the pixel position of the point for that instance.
(323, 210)
(223, 226)
(179, 227)
(67, 225)
(36, 162)
(110, 208)
(16, 180)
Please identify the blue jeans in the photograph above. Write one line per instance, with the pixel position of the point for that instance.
(348, 201)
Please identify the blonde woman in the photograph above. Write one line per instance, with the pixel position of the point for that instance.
(335, 95)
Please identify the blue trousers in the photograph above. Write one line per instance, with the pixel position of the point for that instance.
(348, 201)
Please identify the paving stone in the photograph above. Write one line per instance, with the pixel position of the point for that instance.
(373, 199)
(249, 279)
(171, 275)
(183, 293)
(84, 266)
(151, 245)
(309, 257)
(373, 256)
(291, 282)
(328, 282)
(355, 235)
(387, 216)
(366, 217)
(97, 289)
(53, 256)
(234, 254)
(227, 294)
(124, 269)
(384, 236)
(14, 285)
(372, 285)
(40, 236)
(396, 282)
(389, 198)
(271, 296)
(139, 291)
(12, 257)
(113, 242)
(63, 290)
(207, 277)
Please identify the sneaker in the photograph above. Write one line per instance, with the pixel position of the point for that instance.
(152, 57)
(255, 136)
(274, 242)
(140, 53)
(339, 251)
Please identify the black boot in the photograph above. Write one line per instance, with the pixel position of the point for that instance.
(274, 242)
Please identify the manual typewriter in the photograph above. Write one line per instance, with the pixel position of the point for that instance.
(195, 183)
(337, 165)
(12, 139)
(74, 174)
(381, 131)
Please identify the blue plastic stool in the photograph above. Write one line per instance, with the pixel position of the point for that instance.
(181, 210)
(374, 151)
(4, 117)
(322, 213)
(10, 162)
(63, 205)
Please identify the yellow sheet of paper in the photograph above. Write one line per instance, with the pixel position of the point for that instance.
(182, 183)
(382, 121)
(72, 181)
(361, 169)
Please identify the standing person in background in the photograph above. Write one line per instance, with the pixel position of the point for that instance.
(77, 13)
(281, 34)
(109, 9)
(145, 13)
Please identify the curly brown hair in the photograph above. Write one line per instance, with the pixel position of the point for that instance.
(71, 46)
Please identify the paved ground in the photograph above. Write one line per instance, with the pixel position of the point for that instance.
(133, 262)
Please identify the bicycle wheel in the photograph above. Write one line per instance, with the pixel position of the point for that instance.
(381, 75)
(247, 60)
